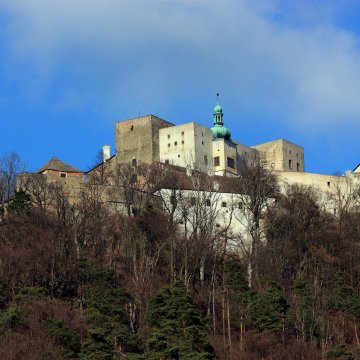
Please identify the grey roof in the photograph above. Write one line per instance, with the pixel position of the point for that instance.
(58, 165)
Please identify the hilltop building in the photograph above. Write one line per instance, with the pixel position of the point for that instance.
(150, 139)
(147, 139)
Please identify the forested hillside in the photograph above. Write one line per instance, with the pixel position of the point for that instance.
(81, 281)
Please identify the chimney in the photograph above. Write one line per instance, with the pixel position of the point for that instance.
(106, 153)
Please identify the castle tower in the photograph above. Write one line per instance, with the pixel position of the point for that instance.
(224, 149)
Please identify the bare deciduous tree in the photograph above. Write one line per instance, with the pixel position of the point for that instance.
(256, 187)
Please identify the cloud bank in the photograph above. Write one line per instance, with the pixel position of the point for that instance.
(303, 69)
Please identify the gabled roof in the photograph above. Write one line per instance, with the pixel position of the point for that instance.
(357, 169)
(179, 178)
(58, 165)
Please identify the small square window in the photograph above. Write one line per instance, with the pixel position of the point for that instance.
(182, 133)
(133, 162)
(182, 142)
(169, 136)
(208, 202)
(240, 205)
(63, 175)
(175, 143)
(178, 155)
(216, 161)
(166, 161)
(223, 204)
(132, 128)
(230, 163)
(169, 145)
(192, 201)
(328, 183)
(202, 143)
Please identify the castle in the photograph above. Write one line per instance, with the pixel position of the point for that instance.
(150, 139)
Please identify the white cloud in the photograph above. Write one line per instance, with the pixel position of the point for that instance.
(146, 52)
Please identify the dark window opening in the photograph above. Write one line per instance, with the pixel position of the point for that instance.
(202, 143)
(133, 179)
(166, 161)
(169, 145)
(205, 159)
(175, 143)
(216, 161)
(230, 162)
(182, 133)
(178, 155)
(192, 201)
(328, 183)
(132, 128)
(168, 136)
(182, 141)
(297, 167)
(63, 175)
(208, 202)
(240, 205)
(133, 162)
(290, 164)
(223, 204)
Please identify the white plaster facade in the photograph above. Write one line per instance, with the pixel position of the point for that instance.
(187, 145)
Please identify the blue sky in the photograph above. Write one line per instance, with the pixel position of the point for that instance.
(69, 69)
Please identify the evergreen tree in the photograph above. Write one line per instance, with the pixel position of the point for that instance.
(176, 330)
(269, 309)
(21, 204)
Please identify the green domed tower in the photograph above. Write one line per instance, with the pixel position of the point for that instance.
(219, 131)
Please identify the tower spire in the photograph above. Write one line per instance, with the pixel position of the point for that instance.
(219, 130)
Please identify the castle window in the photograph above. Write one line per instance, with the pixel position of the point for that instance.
(216, 161)
(328, 183)
(132, 128)
(192, 201)
(175, 143)
(63, 175)
(223, 204)
(133, 162)
(182, 142)
(133, 179)
(182, 133)
(167, 161)
(240, 205)
(205, 159)
(208, 202)
(178, 155)
(168, 144)
(297, 167)
(202, 143)
(230, 162)
(169, 136)
(290, 164)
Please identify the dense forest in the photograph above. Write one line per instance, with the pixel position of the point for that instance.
(79, 280)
